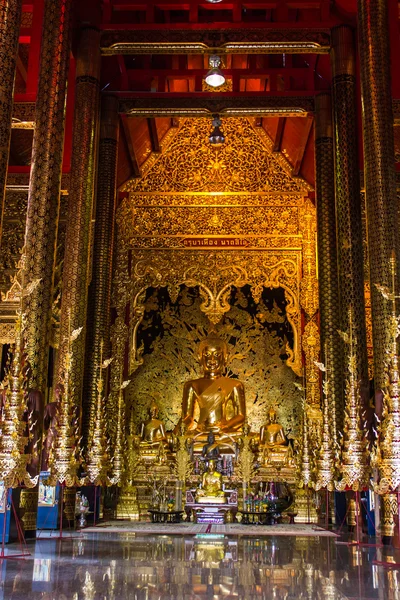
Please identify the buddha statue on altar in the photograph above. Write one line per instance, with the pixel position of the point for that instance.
(219, 401)
(152, 434)
(275, 450)
(211, 491)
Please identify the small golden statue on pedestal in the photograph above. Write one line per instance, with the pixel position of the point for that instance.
(153, 436)
(275, 450)
(211, 487)
(219, 400)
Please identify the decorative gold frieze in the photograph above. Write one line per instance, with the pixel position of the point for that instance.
(224, 41)
(244, 163)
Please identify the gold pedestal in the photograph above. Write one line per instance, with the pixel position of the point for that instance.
(211, 500)
(128, 506)
(69, 504)
(28, 504)
(305, 507)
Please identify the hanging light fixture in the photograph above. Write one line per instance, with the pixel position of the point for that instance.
(214, 1)
(217, 137)
(214, 77)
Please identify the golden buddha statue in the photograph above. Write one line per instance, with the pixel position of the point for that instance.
(211, 486)
(152, 433)
(275, 448)
(219, 400)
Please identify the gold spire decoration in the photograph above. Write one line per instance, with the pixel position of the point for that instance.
(354, 470)
(98, 461)
(118, 464)
(14, 437)
(305, 470)
(386, 454)
(326, 462)
(65, 457)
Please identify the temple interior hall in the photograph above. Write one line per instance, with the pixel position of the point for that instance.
(199, 299)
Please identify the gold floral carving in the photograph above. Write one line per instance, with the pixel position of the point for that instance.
(190, 163)
(208, 222)
(309, 289)
(215, 273)
(368, 325)
(311, 349)
(255, 356)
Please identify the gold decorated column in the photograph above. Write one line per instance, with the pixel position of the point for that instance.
(380, 176)
(44, 185)
(347, 194)
(77, 255)
(10, 20)
(331, 345)
(98, 317)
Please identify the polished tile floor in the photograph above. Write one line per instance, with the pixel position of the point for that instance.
(101, 566)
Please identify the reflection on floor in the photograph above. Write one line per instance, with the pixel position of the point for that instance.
(109, 566)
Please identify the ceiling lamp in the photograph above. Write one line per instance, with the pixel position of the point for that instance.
(214, 1)
(214, 77)
(217, 137)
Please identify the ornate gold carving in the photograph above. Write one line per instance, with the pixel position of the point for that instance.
(304, 465)
(225, 87)
(230, 41)
(215, 276)
(309, 291)
(192, 164)
(15, 434)
(98, 461)
(327, 452)
(99, 310)
(45, 184)
(368, 326)
(10, 19)
(380, 174)
(79, 235)
(347, 194)
(387, 452)
(311, 349)
(354, 464)
(249, 199)
(255, 356)
(64, 457)
(183, 461)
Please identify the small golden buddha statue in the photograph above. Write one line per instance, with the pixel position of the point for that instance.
(219, 400)
(211, 486)
(152, 432)
(275, 448)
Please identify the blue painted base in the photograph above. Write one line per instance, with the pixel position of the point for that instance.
(47, 514)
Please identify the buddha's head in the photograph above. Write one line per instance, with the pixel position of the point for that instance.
(272, 415)
(211, 466)
(212, 355)
(211, 438)
(154, 411)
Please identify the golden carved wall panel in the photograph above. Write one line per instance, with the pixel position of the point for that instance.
(244, 164)
(208, 222)
(255, 357)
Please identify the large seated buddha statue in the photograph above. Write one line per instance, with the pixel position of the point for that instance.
(275, 450)
(219, 401)
(211, 487)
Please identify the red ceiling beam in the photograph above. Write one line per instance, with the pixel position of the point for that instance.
(302, 147)
(310, 25)
(155, 142)
(277, 140)
(131, 148)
